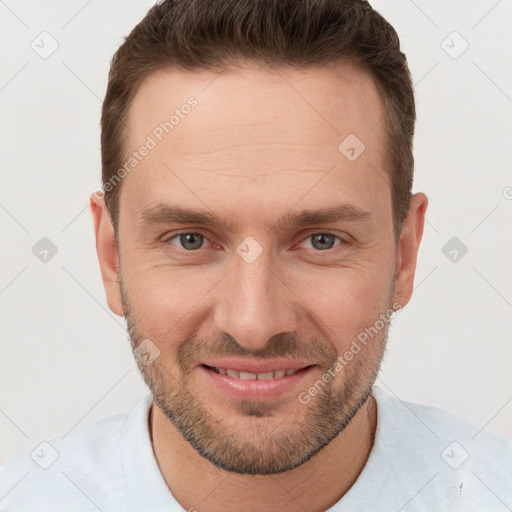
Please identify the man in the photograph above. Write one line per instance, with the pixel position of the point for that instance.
(256, 228)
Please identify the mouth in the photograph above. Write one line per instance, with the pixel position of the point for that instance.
(269, 375)
(250, 381)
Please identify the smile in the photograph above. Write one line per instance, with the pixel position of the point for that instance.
(278, 374)
(263, 384)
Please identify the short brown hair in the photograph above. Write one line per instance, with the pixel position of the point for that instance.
(210, 34)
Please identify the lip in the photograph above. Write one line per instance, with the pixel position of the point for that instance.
(256, 390)
(270, 365)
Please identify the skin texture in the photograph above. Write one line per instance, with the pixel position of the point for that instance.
(259, 144)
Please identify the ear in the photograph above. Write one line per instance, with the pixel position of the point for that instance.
(410, 238)
(106, 248)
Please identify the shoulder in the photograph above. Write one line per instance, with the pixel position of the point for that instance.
(436, 423)
(419, 420)
(55, 472)
(455, 458)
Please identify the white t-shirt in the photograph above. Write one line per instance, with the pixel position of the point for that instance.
(423, 459)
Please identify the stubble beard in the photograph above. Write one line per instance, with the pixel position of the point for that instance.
(260, 443)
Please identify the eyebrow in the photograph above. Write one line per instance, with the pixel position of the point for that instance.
(168, 214)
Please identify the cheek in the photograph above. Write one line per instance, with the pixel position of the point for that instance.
(345, 302)
(164, 301)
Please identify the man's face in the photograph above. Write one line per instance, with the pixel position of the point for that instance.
(257, 150)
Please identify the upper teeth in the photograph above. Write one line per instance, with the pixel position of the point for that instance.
(253, 376)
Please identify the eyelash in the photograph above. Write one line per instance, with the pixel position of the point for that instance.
(342, 241)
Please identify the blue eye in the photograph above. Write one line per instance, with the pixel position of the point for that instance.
(323, 241)
(190, 241)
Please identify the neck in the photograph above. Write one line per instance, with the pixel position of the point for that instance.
(315, 486)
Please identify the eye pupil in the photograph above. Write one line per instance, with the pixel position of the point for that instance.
(191, 241)
(323, 241)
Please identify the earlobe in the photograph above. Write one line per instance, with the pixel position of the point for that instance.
(106, 248)
(407, 253)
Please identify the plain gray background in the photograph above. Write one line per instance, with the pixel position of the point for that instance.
(66, 360)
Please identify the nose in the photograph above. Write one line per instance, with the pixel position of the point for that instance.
(255, 303)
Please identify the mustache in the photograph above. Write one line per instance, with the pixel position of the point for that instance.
(283, 345)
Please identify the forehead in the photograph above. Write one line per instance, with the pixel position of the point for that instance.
(250, 131)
